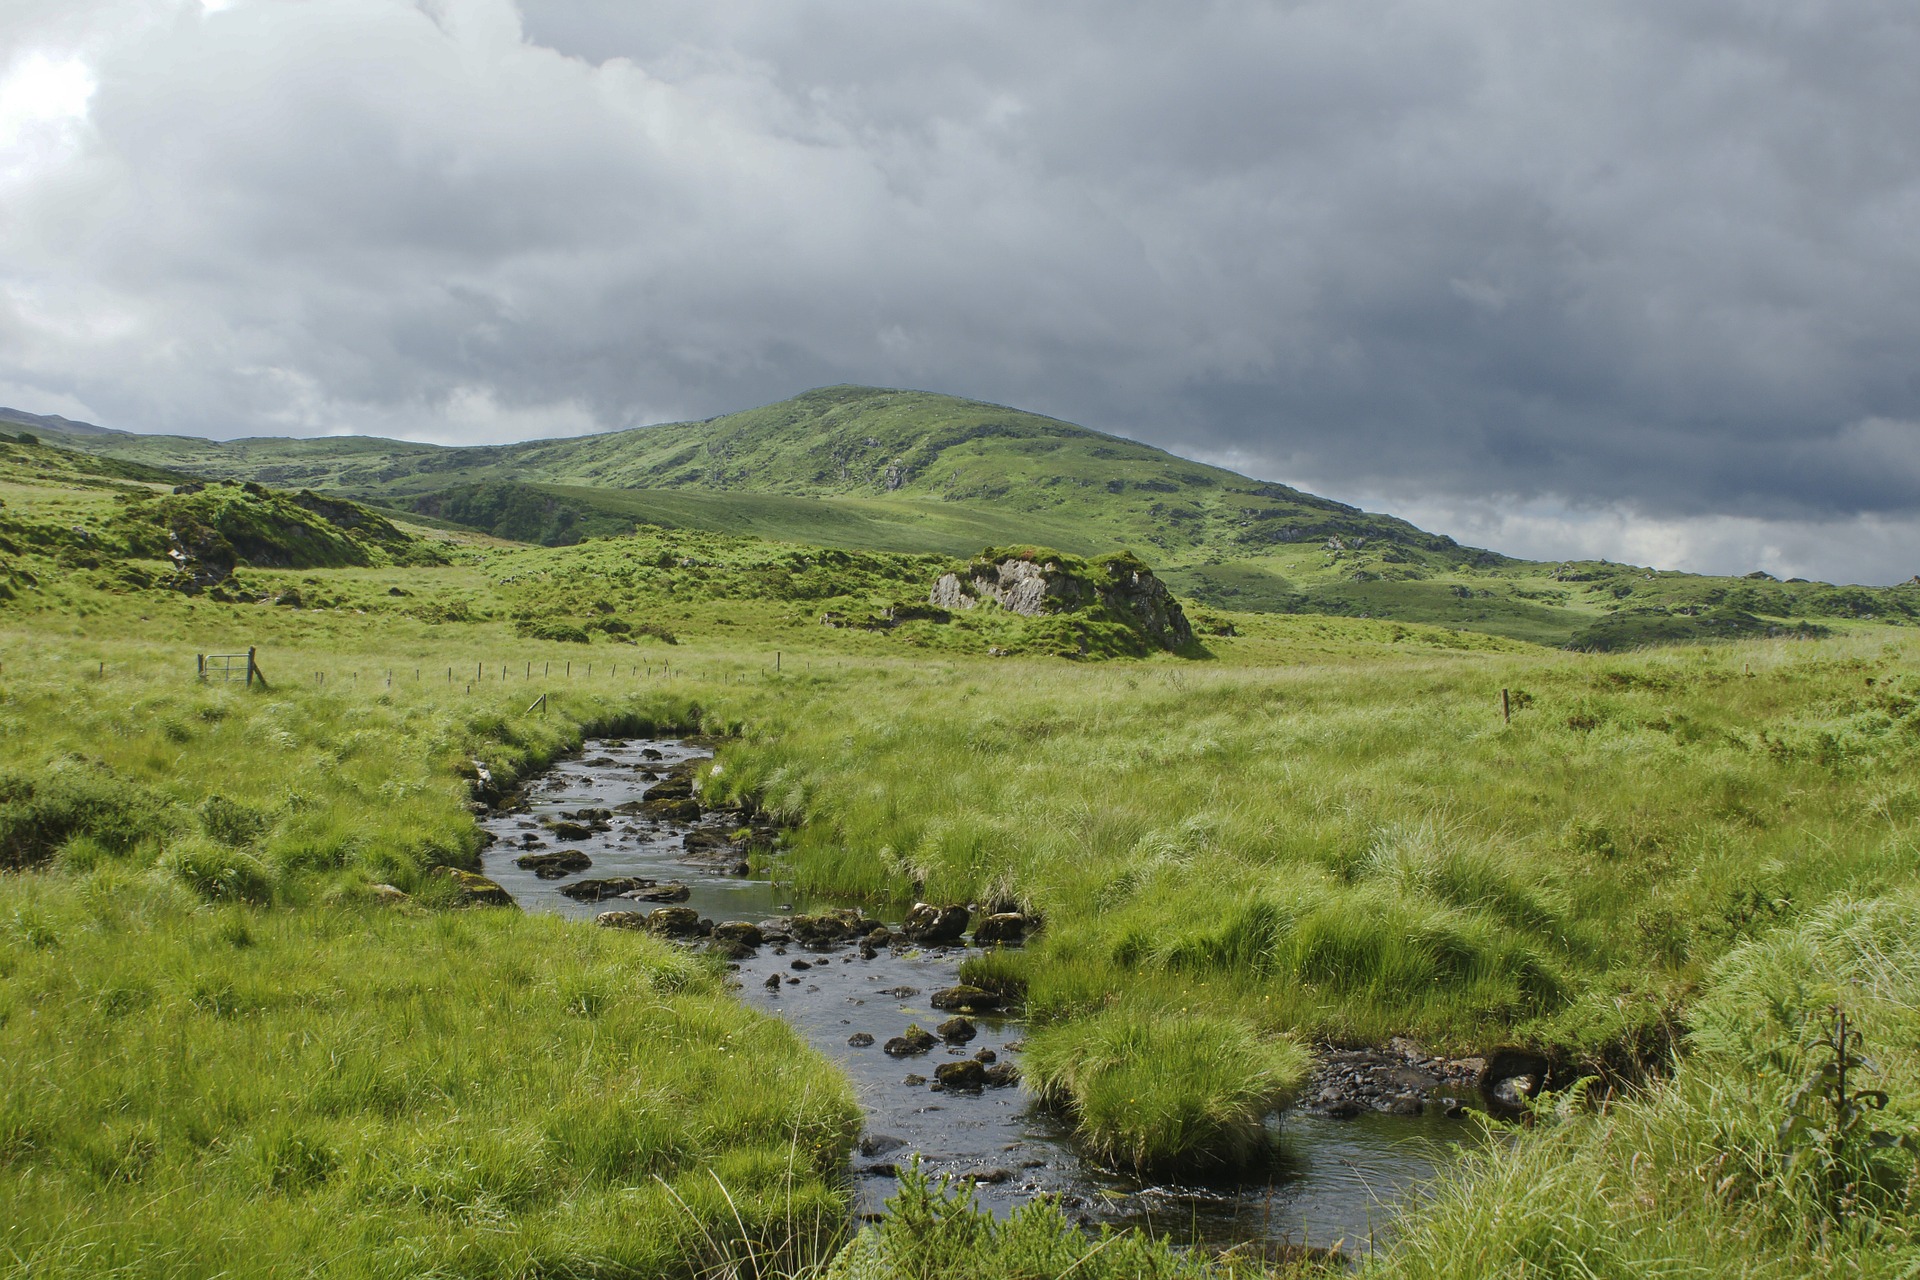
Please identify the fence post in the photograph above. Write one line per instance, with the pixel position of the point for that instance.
(201, 659)
(1506, 707)
(776, 662)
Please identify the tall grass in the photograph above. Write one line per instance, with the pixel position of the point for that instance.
(196, 1090)
(1355, 850)
(1692, 1178)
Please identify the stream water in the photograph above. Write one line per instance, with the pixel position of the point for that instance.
(1338, 1181)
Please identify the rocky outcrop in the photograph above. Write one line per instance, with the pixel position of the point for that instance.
(1039, 583)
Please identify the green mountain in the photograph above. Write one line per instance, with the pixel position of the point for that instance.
(866, 468)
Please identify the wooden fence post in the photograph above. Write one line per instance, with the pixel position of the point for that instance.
(1506, 707)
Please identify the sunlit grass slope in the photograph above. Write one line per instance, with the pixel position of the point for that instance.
(382, 1092)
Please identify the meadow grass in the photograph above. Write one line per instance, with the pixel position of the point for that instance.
(1325, 833)
(197, 1091)
(1350, 851)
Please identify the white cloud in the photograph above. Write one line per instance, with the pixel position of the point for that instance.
(1647, 258)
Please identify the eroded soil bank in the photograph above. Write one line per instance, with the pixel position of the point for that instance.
(1356, 1149)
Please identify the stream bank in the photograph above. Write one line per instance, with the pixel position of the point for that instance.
(591, 846)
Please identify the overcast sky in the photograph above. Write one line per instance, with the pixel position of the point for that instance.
(1637, 279)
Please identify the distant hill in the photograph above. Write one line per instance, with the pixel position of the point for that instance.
(867, 468)
(53, 422)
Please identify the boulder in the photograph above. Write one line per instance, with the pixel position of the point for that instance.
(860, 1040)
(475, 890)
(910, 1043)
(660, 893)
(566, 830)
(1000, 927)
(927, 923)
(1513, 1077)
(677, 922)
(1002, 1074)
(621, 920)
(965, 1075)
(740, 931)
(729, 949)
(555, 865)
(957, 1030)
(965, 999)
(830, 927)
(600, 890)
(995, 1174)
(1514, 1092)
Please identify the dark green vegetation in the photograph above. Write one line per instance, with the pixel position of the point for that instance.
(863, 468)
(1662, 872)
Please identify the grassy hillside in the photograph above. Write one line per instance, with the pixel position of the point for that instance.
(869, 469)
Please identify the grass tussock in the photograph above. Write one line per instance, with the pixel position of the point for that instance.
(1168, 1092)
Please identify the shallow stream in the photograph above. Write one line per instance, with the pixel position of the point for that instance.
(1338, 1180)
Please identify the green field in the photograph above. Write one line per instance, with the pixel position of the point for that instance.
(229, 1050)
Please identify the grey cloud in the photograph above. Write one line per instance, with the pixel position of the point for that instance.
(1656, 256)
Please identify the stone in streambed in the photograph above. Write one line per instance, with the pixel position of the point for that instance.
(740, 931)
(621, 920)
(553, 866)
(965, 1075)
(859, 1040)
(933, 925)
(599, 890)
(660, 893)
(913, 1041)
(1001, 927)
(475, 890)
(1002, 1074)
(957, 1030)
(667, 922)
(966, 999)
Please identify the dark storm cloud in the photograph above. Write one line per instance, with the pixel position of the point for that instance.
(1472, 258)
